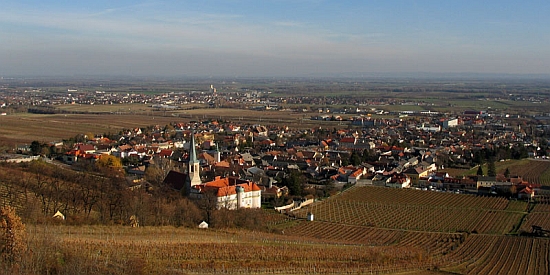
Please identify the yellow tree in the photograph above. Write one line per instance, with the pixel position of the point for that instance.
(109, 164)
(109, 161)
(12, 236)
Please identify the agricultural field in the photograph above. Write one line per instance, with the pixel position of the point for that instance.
(106, 108)
(538, 216)
(20, 128)
(482, 254)
(25, 128)
(168, 250)
(436, 243)
(381, 207)
(464, 234)
(331, 250)
(458, 253)
(535, 171)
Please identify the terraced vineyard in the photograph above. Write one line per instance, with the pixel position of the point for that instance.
(539, 216)
(533, 171)
(434, 244)
(461, 234)
(501, 255)
(383, 195)
(417, 210)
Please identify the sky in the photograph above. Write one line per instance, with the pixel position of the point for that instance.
(258, 38)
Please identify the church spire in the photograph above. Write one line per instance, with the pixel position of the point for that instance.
(194, 167)
(192, 149)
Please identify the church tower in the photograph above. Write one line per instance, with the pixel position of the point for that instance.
(194, 167)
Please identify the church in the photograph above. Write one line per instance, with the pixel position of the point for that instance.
(231, 192)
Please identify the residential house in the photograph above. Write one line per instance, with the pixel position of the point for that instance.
(398, 181)
(526, 193)
(273, 192)
(415, 173)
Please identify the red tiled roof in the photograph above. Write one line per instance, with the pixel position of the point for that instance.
(227, 186)
(223, 164)
(165, 153)
(348, 140)
(357, 173)
(86, 147)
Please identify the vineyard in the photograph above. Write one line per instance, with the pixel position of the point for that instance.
(434, 244)
(539, 216)
(461, 234)
(168, 250)
(501, 255)
(417, 210)
(383, 195)
(532, 171)
(457, 253)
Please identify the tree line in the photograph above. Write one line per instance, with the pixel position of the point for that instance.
(38, 190)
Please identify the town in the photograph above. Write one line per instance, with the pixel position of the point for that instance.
(370, 145)
(275, 137)
(432, 176)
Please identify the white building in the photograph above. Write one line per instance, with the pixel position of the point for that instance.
(231, 193)
(450, 123)
(428, 128)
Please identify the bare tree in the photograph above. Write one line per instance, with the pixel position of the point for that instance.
(154, 175)
(208, 203)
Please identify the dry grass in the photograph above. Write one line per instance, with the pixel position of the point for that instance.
(168, 250)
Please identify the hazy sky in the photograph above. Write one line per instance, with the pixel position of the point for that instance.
(272, 37)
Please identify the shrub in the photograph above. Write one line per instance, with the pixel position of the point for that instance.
(13, 236)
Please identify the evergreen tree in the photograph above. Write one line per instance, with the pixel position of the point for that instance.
(479, 171)
(491, 169)
(355, 159)
(36, 148)
(507, 173)
(294, 182)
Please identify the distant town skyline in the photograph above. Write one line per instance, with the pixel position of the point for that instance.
(240, 38)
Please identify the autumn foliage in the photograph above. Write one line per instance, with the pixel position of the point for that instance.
(12, 238)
